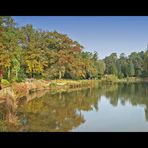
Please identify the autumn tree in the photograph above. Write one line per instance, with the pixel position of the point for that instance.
(34, 53)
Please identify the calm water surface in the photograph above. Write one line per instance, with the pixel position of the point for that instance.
(122, 107)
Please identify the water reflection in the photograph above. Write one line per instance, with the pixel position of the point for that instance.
(42, 111)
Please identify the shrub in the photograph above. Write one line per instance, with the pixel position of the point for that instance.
(20, 88)
(14, 79)
(5, 82)
(53, 84)
(3, 127)
(20, 80)
(110, 78)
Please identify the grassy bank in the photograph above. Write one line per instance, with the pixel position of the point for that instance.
(17, 90)
(114, 79)
(130, 80)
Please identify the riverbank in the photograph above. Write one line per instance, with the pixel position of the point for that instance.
(113, 79)
(132, 80)
(17, 90)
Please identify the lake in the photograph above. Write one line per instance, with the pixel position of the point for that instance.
(106, 108)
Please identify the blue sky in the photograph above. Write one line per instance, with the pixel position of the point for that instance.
(104, 34)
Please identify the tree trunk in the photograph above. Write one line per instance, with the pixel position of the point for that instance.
(32, 73)
(16, 74)
(0, 83)
(60, 74)
(9, 73)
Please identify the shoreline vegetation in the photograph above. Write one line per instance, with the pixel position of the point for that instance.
(17, 90)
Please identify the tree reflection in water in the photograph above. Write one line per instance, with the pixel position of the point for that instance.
(45, 112)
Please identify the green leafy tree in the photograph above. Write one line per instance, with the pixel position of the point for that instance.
(15, 67)
(110, 62)
(131, 69)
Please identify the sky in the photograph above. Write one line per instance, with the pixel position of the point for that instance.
(104, 34)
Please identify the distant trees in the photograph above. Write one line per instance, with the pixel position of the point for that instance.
(137, 59)
(133, 65)
(131, 69)
(146, 61)
(110, 62)
(100, 66)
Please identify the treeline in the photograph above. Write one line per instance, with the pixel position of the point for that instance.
(26, 52)
(136, 64)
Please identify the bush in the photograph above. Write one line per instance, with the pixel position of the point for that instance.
(14, 79)
(53, 84)
(3, 127)
(120, 75)
(5, 82)
(20, 88)
(110, 78)
(20, 80)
